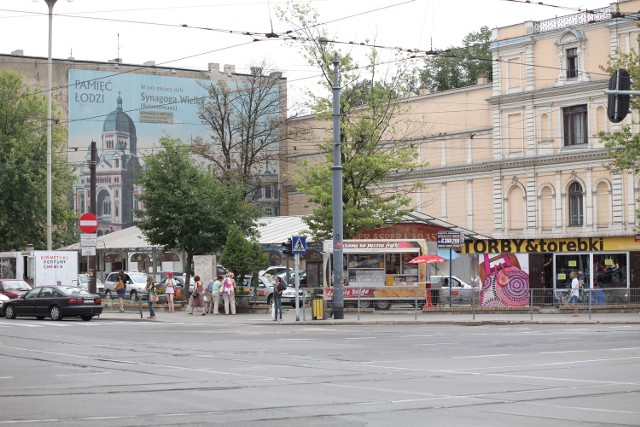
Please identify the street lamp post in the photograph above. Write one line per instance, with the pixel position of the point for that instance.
(50, 3)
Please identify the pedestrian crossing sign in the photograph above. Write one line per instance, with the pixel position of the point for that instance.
(298, 244)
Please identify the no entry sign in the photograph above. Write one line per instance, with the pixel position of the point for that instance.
(88, 223)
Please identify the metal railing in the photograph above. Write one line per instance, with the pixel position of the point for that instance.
(540, 301)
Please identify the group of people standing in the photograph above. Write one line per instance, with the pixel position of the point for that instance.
(217, 289)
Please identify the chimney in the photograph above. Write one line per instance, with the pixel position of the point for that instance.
(149, 63)
(18, 52)
(229, 69)
(482, 79)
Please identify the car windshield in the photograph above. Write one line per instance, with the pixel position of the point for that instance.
(138, 277)
(16, 285)
(68, 290)
(267, 280)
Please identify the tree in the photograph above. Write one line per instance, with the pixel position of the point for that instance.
(623, 145)
(459, 66)
(245, 122)
(23, 170)
(185, 207)
(242, 255)
(373, 156)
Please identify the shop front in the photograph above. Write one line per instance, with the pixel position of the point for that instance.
(508, 268)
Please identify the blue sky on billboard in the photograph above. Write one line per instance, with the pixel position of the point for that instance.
(192, 33)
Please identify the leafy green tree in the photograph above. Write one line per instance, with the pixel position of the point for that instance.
(185, 207)
(459, 66)
(241, 255)
(624, 145)
(372, 159)
(23, 170)
(246, 119)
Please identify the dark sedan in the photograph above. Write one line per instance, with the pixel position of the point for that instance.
(55, 302)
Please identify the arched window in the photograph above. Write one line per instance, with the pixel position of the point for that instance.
(576, 209)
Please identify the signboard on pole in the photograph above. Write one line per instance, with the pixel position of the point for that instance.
(298, 244)
(88, 223)
(450, 239)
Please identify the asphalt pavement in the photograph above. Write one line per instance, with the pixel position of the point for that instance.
(262, 315)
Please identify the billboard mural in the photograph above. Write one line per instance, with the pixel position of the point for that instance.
(126, 114)
(505, 280)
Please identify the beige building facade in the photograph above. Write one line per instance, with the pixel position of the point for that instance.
(519, 157)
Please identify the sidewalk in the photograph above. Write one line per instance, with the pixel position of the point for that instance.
(262, 316)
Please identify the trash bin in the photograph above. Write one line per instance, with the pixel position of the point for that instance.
(318, 306)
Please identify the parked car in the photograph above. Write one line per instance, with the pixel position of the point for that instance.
(264, 290)
(276, 270)
(13, 288)
(83, 283)
(461, 291)
(289, 296)
(3, 300)
(136, 283)
(55, 302)
(179, 279)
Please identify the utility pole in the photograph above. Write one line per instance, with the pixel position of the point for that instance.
(92, 208)
(336, 175)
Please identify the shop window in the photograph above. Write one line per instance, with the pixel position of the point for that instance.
(565, 264)
(575, 125)
(576, 209)
(572, 62)
(610, 270)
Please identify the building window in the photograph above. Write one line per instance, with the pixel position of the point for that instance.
(576, 210)
(575, 125)
(267, 192)
(572, 62)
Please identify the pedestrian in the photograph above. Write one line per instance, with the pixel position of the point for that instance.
(228, 290)
(278, 288)
(208, 296)
(170, 284)
(217, 293)
(575, 293)
(197, 297)
(151, 296)
(121, 289)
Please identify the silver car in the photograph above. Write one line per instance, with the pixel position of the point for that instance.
(83, 283)
(136, 283)
(460, 290)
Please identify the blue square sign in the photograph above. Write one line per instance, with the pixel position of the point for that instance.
(298, 244)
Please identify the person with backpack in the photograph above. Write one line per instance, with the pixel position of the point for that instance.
(228, 290)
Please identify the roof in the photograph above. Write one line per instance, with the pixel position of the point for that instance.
(273, 230)
(423, 218)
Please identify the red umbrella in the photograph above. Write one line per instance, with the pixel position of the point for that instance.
(427, 259)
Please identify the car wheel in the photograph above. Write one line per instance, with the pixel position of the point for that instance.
(55, 313)
(10, 312)
(270, 299)
(40, 317)
(134, 296)
(86, 317)
(107, 294)
(383, 305)
(365, 303)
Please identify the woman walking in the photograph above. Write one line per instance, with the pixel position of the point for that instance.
(151, 296)
(197, 298)
(121, 289)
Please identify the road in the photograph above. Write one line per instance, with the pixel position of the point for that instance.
(203, 372)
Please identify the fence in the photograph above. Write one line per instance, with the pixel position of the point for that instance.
(130, 305)
(469, 300)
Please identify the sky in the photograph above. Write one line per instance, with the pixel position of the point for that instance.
(166, 31)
